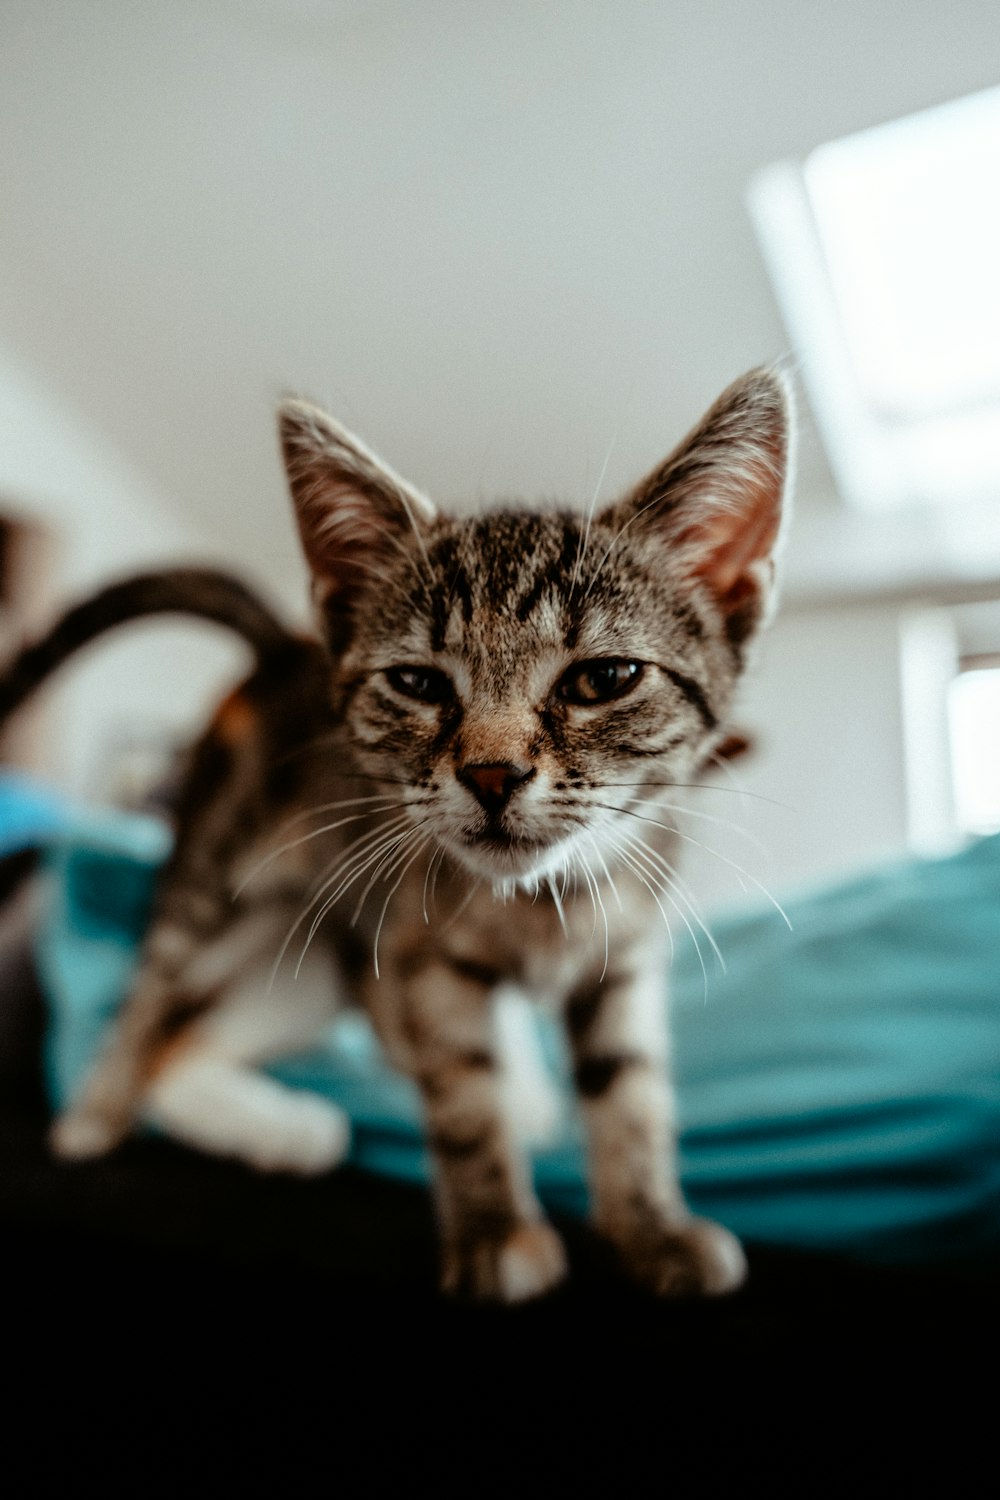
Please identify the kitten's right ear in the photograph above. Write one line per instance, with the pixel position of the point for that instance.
(352, 509)
(717, 502)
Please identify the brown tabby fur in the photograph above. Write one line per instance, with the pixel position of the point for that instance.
(480, 812)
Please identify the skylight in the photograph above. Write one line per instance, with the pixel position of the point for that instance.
(884, 251)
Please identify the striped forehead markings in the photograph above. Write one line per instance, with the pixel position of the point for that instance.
(506, 547)
(556, 573)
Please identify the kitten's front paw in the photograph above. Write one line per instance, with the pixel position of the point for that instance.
(309, 1137)
(528, 1263)
(697, 1258)
(76, 1136)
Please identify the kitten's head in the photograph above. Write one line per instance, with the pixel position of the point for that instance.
(525, 675)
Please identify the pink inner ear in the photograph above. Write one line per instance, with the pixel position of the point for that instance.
(730, 542)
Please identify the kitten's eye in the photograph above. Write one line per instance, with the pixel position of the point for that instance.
(426, 684)
(599, 681)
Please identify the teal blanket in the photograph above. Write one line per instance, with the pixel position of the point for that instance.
(838, 1085)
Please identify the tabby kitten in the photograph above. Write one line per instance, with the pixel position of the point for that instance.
(455, 793)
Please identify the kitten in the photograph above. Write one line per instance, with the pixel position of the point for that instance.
(453, 792)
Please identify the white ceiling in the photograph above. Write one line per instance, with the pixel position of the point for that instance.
(492, 237)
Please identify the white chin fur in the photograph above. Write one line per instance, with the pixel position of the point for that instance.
(514, 869)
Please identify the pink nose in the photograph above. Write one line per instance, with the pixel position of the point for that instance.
(492, 785)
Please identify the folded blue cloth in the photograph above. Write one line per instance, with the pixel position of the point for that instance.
(29, 813)
(838, 1085)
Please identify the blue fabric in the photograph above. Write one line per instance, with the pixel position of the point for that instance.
(29, 813)
(838, 1085)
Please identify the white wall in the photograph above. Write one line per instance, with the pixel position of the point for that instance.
(493, 239)
(824, 705)
(826, 782)
(107, 521)
(826, 788)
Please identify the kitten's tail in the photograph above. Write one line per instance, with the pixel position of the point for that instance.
(205, 593)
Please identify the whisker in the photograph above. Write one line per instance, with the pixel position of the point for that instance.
(716, 854)
(622, 850)
(669, 874)
(345, 885)
(463, 904)
(339, 862)
(437, 870)
(557, 903)
(336, 866)
(596, 897)
(584, 539)
(607, 873)
(695, 786)
(432, 864)
(350, 869)
(378, 868)
(380, 845)
(693, 812)
(582, 869)
(371, 775)
(304, 839)
(734, 827)
(385, 905)
(607, 553)
(593, 504)
(323, 807)
(693, 935)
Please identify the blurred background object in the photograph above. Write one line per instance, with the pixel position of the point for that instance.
(520, 248)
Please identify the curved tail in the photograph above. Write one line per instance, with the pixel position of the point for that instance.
(206, 593)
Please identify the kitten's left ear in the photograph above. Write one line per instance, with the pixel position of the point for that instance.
(352, 508)
(717, 501)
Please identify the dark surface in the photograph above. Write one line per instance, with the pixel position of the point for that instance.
(165, 1304)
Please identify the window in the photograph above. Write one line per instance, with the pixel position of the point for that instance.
(974, 731)
(883, 248)
(950, 661)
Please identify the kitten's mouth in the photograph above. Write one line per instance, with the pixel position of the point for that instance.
(506, 843)
(500, 855)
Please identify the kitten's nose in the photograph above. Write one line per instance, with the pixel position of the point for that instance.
(492, 785)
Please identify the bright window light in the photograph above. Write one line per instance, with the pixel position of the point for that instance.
(974, 721)
(884, 250)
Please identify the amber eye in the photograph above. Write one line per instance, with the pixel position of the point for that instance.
(426, 684)
(598, 681)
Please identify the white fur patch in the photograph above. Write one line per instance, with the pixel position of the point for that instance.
(210, 1095)
(534, 1104)
(230, 1110)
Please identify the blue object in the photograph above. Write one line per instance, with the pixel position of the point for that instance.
(838, 1086)
(29, 813)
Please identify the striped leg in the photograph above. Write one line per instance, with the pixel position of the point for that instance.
(495, 1243)
(160, 1007)
(618, 1037)
(198, 949)
(186, 1055)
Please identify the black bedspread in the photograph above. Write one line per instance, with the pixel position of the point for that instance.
(172, 1314)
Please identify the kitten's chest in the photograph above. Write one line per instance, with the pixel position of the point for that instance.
(545, 942)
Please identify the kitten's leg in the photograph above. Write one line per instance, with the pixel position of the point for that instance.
(618, 1035)
(495, 1241)
(207, 1091)
(534, 1104)
(194, 985)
